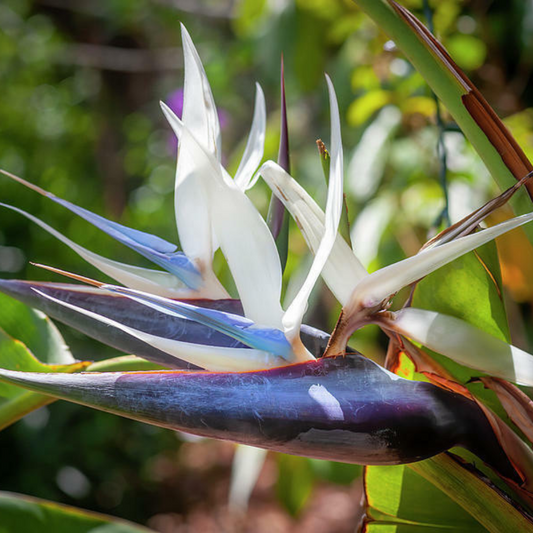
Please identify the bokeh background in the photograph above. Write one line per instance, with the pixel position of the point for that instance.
(79, 115)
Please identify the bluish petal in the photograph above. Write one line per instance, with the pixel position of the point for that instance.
(154, 248)
(240, 328)
(128, 236)
(128, 312)
(150, 280)
(213, 358)
(137, 316)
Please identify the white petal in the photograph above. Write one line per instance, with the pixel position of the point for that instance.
(388, 280)
(214, 358)
(199, 110)
(253, 153)
(200, 114)
(292, 319)
(465, 344)
(242, 234)
(193, 218)
(343, 271)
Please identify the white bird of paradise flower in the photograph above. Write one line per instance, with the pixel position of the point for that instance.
(213, 211)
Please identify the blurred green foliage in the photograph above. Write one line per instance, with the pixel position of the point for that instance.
(79, 116)
(34, 516)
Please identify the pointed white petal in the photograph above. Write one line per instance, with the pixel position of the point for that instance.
(200, 114)
(199, 110)
(253, 153)
(381, 284)
(292, 319)
(214, 358)
(242, 234)
(343, 271)
(465, 344)
(193, 220)
(192, 213)
(251, 253)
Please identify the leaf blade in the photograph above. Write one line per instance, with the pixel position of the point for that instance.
(34, 515)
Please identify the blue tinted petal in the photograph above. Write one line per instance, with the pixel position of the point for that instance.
(155, 249)
(240, 328)
(137, 316)
(118, 231)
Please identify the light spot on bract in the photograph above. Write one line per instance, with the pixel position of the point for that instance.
(328, 402)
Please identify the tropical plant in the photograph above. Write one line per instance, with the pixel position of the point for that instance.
(251, 372)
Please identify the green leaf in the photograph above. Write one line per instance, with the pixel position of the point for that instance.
(35, 330)
(124, 363)
(338, 473)
(469, 288)
(16, 402)
(32, 515)
(295, 482)
(490, 508)
(400, 500)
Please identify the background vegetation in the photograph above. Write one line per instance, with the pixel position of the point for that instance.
(79, 115)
